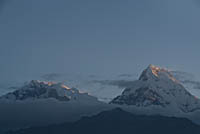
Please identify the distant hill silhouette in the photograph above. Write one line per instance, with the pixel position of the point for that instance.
(117, 121)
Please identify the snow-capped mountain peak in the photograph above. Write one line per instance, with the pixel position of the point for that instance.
(36, 89)
(157, 87)
(37, 83)
(154, 73)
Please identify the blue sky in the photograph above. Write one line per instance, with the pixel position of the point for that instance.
(97, 36)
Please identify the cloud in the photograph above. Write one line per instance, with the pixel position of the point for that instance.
(119, 83)
(195, 84)
(182, 76)
(126, 75)
(186, 79)
(92, 76)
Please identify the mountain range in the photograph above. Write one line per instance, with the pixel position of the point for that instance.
(153, 101)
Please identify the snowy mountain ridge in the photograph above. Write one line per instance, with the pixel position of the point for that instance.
(157, 87)
(36, 89)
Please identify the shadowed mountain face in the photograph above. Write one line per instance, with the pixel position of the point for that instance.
(117, 121)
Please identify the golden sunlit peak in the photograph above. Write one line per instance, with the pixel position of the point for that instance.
(158, 71)
(63, 86)
(50, 83)
(153, 67)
